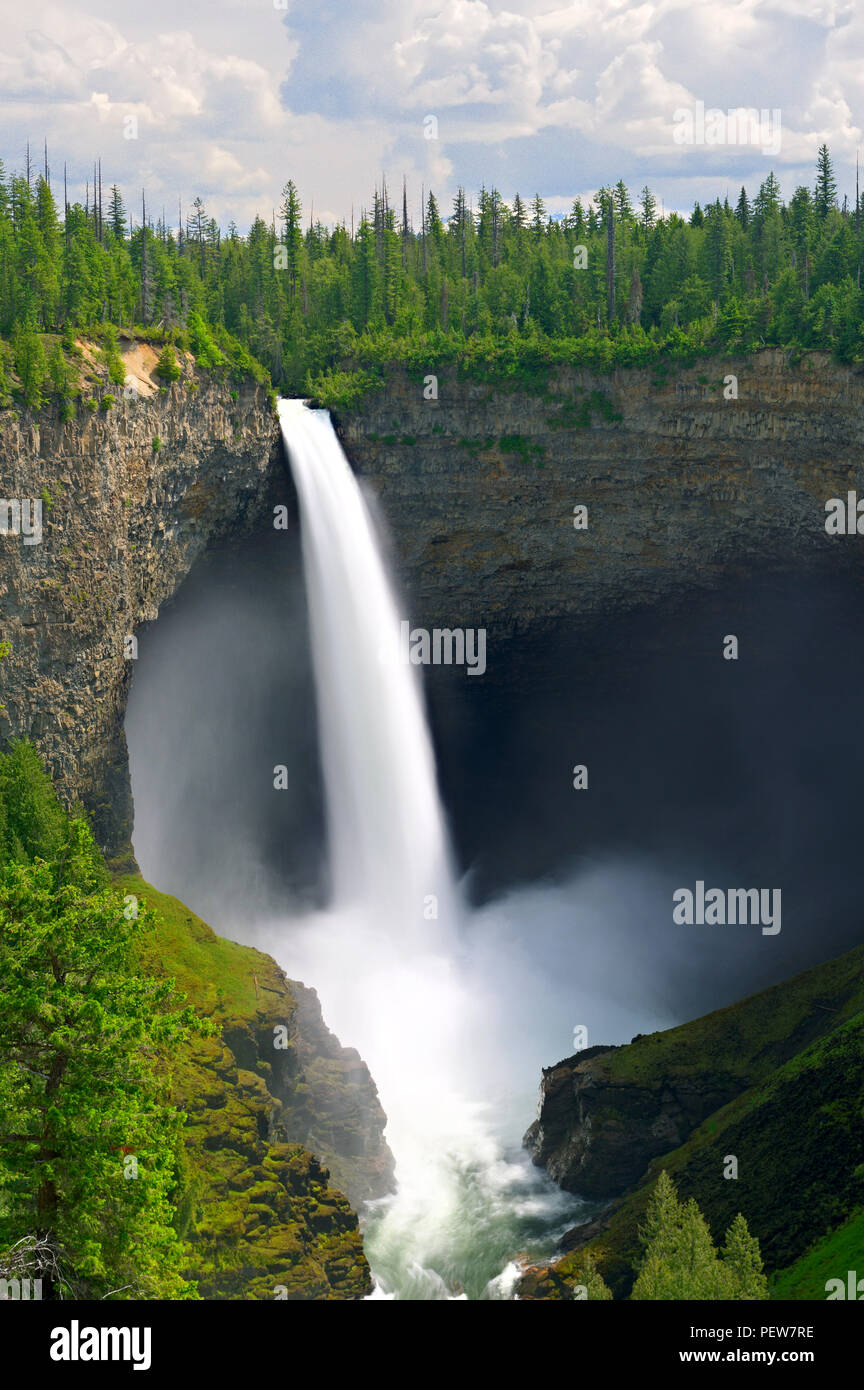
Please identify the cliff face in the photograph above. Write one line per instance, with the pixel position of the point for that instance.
(130, 498)
(774, 1082)
(682, 486)
(605, 1113)
(283, 1124)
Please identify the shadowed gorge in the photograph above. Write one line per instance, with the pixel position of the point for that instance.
(603, 647)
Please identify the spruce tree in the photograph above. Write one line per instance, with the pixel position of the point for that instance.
(825, 193)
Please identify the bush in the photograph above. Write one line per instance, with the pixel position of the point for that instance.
(168, 368)
(341, 390)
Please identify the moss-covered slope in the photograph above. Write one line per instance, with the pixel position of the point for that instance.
(795, 1056)
(257, 1206)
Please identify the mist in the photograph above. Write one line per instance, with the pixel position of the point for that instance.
(699, 770)
(739, 774)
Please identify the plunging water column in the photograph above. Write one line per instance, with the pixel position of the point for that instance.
(385, 957)
(388, 844)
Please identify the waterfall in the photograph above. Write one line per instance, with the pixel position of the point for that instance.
(388, 957)
(388, 843)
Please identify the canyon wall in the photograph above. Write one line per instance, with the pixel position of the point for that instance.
(131, 497)
(683, 487)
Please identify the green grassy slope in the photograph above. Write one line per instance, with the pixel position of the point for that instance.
(830, 1258)
(797, 1132)
(260, 1213)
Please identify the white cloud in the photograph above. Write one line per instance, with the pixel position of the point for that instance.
(557, 95)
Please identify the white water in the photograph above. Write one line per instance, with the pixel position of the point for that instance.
(387, 958)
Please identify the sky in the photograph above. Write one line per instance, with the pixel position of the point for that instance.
(228, 99)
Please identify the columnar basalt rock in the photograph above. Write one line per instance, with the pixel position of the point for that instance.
(131, 497)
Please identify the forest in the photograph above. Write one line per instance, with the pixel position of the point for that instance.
(493, 287)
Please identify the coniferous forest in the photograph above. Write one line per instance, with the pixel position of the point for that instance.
(489, 285)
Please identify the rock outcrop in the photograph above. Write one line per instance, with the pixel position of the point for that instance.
(775, 1082)
(284, 1126)
(130, 498)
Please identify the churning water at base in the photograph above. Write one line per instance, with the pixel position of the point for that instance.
(388, 958)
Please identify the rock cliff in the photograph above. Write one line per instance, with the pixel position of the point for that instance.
(682, 486)
(283, 1124)
(773, 1082)
(130, 498)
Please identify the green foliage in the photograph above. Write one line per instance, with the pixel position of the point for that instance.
(59, 371)
(107, 402)
(828, 1258)
(341, 390)
(29, 358)
(86, 1040)
(5, 383)
(587, 1276)
(157, 444)
(33, 824)
(679, 1260)
(499, 293)
(168, 368)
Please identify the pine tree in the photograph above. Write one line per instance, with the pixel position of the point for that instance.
(623, 206)
(825, 194)
(610, 260)
(648, 204)
(538, 215)
(679, 1260)
(742, 1257)
(117, 214)
(29, 358)
(458, 227)
(576, 220)
(585, 1274)
(434, 225)
(767, 200)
